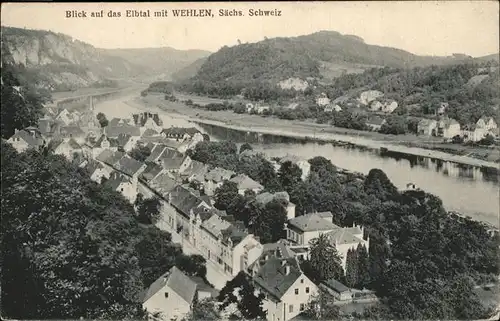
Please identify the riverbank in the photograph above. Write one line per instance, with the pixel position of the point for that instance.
(279, 127)
(462, 189)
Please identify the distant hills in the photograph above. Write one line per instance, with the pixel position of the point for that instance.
(56, 61)
(324, 54)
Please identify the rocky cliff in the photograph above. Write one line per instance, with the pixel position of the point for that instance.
(57, 62)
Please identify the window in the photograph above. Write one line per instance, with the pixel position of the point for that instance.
(301, 280)
(307, 290)
(290, 308)
(302, 307)
(166, 294)
(296, 291)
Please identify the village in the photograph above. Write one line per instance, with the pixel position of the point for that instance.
(190, 216)
(377, 108)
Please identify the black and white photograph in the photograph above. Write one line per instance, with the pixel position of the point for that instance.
(259, 161)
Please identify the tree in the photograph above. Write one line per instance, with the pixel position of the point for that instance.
(157, 253)
(148, 209)
(351, 268)
(321, 307)
(205, 309)
(226, 195)
(193, 265)
(487, 140)
(319, 163)
(103, 121)
(324, 259)
(378, 257)
(363, 263)
(269, 222)
(289, 175)
(21, 106)
(239, 109)
(378, 184)
(140, 153)
(248, 304)
(68, 240)
(244, 147)
(394, 125)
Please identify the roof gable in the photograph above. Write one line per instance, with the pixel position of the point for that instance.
(313, 222)
(177, 281)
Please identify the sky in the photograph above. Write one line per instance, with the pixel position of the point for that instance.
(421, 27)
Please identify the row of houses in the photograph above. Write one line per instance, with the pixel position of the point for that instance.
(217, 236)
(449, 128)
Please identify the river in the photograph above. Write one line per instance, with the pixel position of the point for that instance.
(466, 189)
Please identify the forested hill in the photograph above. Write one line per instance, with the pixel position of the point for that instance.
(306, 56)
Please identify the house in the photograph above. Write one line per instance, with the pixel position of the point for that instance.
(441, 110)
(303, 164)
(25, 139)
(115, 131)
(473, 133)
(331, 107)
(375, 123)
(193, 171)
(67, 147)
(338, 290)
(302, 229)
(427, 127)
(97, 171)
(203, 289)
(175, 212)
(246, 183)
(130, 167)
(148, 121)
(163, 183)
(115, 122)
(222, 240)
(109, 157)
(179, 133)
(262, 109)
(102, 143)
(322, 100)
(66, 118)
(488, 123)
(174, 164)
(286, 289)
(127, 142)
(70, 132)
(368, 96)
(376, 105)
(294, 83)
(448, 128)
(151, 171)
(249, 108)
(267, 197)
(389, 106)
(161, 152)
(121, 183)
(346, 238)
(215, 178)
(46, 126)
(281, 249)
(150, 133)
(172, 295)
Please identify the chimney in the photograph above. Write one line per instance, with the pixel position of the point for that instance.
(287, 269)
